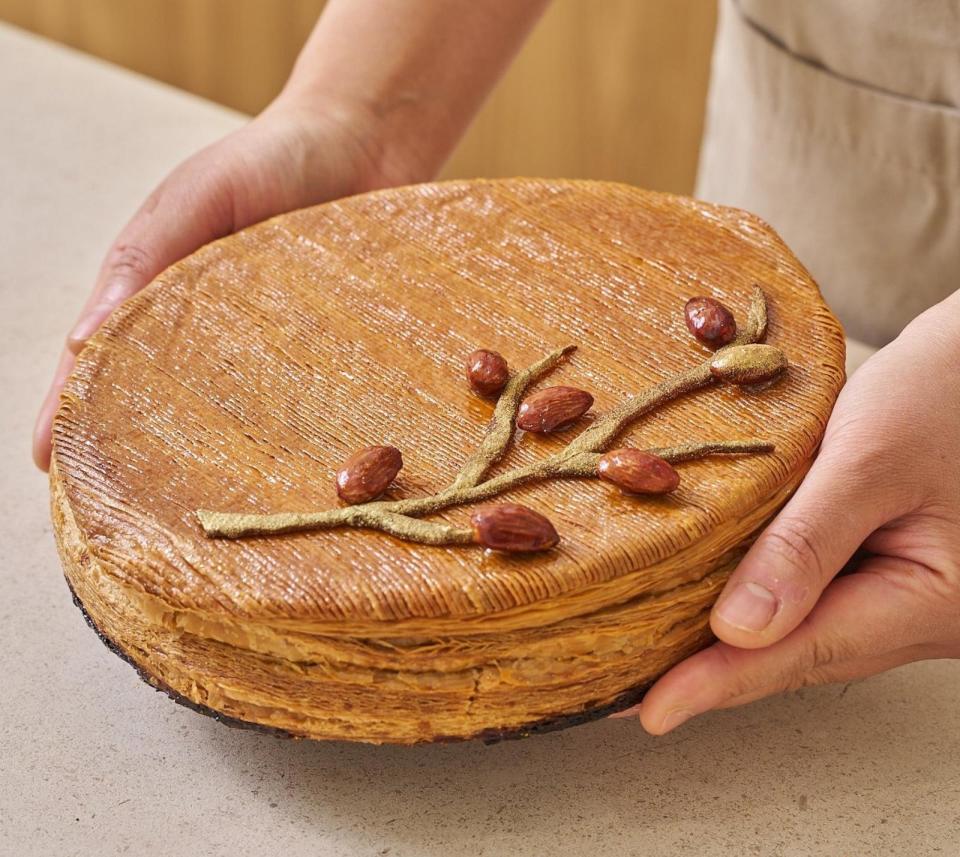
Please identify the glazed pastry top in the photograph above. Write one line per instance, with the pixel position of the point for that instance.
(247, 373)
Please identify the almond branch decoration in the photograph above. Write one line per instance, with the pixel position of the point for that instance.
(739, 359)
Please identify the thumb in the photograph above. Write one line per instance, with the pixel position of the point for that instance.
(185, 212)
(865, 623)
(190, 208)
(780, 578)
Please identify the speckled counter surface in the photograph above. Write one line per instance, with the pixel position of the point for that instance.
(92, 762)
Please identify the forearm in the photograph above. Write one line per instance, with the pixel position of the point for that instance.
(932, 336)
(411, 72)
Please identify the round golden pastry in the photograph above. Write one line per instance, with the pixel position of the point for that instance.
(244, 375)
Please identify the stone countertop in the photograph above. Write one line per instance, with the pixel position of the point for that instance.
(93, 762)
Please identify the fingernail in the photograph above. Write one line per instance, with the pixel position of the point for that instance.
(674, 718)
(750, 607)
(82, 331)
(628, 712)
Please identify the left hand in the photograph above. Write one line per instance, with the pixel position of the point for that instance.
(887, 480)
(294, 154)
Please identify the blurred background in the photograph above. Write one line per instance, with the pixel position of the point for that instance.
(613, 89)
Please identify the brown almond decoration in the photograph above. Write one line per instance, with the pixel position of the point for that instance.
(637, 472)
(367, 473)
(710, 321)
(748, 364)
(512, 528)
(552, 409)
(487, 372)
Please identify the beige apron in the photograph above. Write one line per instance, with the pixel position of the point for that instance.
(838, 121)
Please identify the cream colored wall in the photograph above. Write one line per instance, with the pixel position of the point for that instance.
(608, 89)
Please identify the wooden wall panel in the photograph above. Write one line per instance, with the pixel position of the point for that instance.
(236, 52)
(608, 89)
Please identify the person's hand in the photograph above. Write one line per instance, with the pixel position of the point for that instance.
(288, 157)
(349, 120)
(888, 479)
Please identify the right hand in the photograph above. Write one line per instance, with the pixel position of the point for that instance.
(289, 157)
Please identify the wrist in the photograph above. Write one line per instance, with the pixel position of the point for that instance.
(381, 150)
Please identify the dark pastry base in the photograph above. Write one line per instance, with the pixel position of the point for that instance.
(625, 700)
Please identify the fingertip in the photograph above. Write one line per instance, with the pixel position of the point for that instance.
(42, 444)
(674, 718)
(87, 325)
(680, 693)
(659, 723)
(632, 712)
(650, 723)
(695, 686)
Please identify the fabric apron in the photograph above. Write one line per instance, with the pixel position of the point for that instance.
(838, 122)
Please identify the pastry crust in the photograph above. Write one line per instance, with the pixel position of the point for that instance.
(246, 373)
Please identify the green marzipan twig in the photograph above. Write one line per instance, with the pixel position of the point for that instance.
(498, 436)
(579, 458)
(755, 330)
(397, 517)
